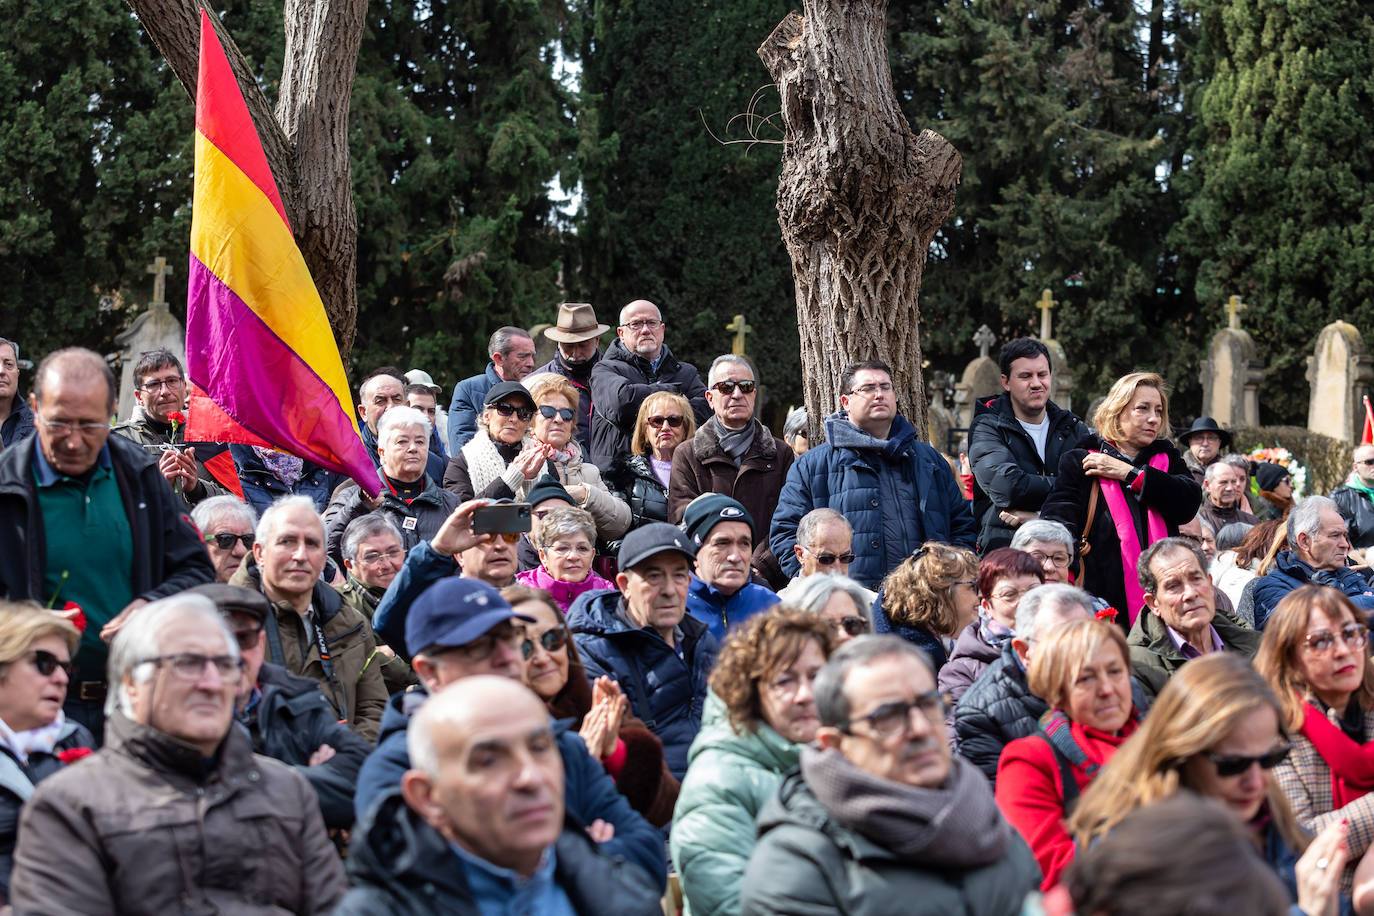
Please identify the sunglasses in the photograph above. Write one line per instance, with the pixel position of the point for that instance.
(1233, 765)
(829, 559)
(727, 388)
(673, 422)
(506, 410)
(248, 637)
(563, 413)
(551, 640)
(226, 541)
(510, 537)
(854, 626)
(46, 663)
(1323, 641)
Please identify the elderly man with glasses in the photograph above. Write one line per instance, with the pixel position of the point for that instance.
(636, 364)
(87, 518)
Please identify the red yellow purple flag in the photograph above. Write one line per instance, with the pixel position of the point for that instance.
(261, 357)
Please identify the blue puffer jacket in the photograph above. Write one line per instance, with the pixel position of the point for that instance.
(896, 492)
(666, 690)
(468, 396)
(719, 612)
(1290, 573)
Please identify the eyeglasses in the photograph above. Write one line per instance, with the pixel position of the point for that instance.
(642, 324)
(1321, 642)
(1234, 765)
(673, 422)
(971, 583)
(893, 719)
(159, 383)
(869, 390)
(248, 637)
(1367, 462)
(564, 549)
(1060, 560)
(225, 541)
(830, 559)
(46, 663)
(551, 640)
(480, 649)
(86, 427)
(1011, 594)
(854, 626)
(563, 413)
(188, 666)
(372, 557)
(728, 387)
(506, 410)
(510, 537)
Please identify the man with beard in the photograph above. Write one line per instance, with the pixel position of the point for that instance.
(578, 335)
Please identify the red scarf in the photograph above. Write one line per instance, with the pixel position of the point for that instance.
(1155, 530)
(1352, 764)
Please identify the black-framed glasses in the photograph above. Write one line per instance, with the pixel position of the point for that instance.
(1235, 764)
(46, 663)
(506, 410)
(642, 324)
(893, 719)
(673, 422)
(563, 413)
(188, 666)
(225, 541)
(1367, 462)
(1321, 642)
(830, 559)
(871, 389)
(159, 383)
(854, 626)
(727, 387)
(248, 637)
(551, 640)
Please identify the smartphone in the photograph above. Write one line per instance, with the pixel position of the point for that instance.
(502, 518)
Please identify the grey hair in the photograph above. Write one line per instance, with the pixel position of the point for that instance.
(6, 342)
(1306, 517)
(401, 418)
(364, 527)
(208, 513)
(138, 642)
(1146, 576)
(812, 593)
(1235, 461)
(727, 359)
(832, 706)
(1216, 467)
(806, 528)
(268, 523)
(795, 423)
(1231, 535)
(502, 338)
(565, 522)
(1045, 597)
(1044, 530)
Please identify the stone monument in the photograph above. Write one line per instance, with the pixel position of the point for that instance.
(1339, 371)
(1232, 372)
(154, 328)
(1061, 384)
(939, 418)
(981, 379)
(739, 327)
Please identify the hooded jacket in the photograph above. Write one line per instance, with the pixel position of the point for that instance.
(896, 493)
(666, 689)
(620, 383)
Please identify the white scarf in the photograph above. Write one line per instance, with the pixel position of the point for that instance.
(485, 463)
(43, 739)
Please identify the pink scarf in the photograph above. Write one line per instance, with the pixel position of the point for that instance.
(1131, 547)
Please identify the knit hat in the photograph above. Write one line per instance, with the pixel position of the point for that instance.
(548, 487)
(709, 510)
(1268, 476)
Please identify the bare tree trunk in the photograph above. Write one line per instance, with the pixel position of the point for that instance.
(859, 201)
(306, 139)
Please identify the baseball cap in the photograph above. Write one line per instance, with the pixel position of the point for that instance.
(653, 538)
(502, 390)
(234, 599)
(453, 612)
(421, 377)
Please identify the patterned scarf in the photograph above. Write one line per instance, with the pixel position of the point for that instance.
(287, 468)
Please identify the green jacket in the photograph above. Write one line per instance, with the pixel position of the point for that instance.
(141, 429)
(396, 674)
(729, 778)
(1155, 658)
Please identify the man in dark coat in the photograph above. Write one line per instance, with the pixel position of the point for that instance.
(578, 334)
(87, 517)
(735, 455)
(1015, 443)
(1202, 445)
(1223, 488)
(634, 367)
(464, 837)
(512, 358)
(1355, 498)
(16, 416)
(894, 490)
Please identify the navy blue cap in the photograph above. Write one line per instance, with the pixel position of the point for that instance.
(653, 538)
(707, 511)
(455, 611)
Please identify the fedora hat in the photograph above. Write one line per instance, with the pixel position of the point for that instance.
(576, 323)
(1205, 425)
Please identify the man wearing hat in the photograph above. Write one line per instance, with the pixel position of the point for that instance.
(1202, 444)
(287, 717)
(577, 333)
(721, 594)
(643, 637)
(422, 394)
(458, 628)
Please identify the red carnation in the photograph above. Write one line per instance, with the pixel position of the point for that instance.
(73, 754)
(1108, 614)
(72, 613)
(177, 417)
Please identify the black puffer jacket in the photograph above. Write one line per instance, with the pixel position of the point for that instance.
(419, 520)
(1357, 508)
(16, 785)
(1007, 470)
(996, 710)
(632, 479)
(621, 382)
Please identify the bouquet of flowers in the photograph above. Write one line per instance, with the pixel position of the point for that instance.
(1281, 456)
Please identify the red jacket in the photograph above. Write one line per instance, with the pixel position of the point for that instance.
(1031, 797)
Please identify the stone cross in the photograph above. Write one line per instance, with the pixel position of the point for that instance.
(740, 328)
(1046, 306)
(160, 271)
(984, 338)
(1233, 309)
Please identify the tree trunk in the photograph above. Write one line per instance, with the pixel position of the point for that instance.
(306, 139)
(859, 201)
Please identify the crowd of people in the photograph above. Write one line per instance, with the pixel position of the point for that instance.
(722, 671)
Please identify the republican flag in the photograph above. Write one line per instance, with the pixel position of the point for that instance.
(262, 360)
(1367, 437)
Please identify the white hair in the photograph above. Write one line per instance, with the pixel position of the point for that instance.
(268, 523)
(138, 642)
(1306, 517)
(210, 513)
(1045, 597)
(401, 418)
(1044, 531)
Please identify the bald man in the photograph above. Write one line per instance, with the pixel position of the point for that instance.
(1355, 499)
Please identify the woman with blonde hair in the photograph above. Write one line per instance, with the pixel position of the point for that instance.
(930, 598)
(1122, 488)
(1215, 729)
(641, 478)
(1082, 669)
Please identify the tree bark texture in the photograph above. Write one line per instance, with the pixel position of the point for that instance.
(305, 139)
(860, 199)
